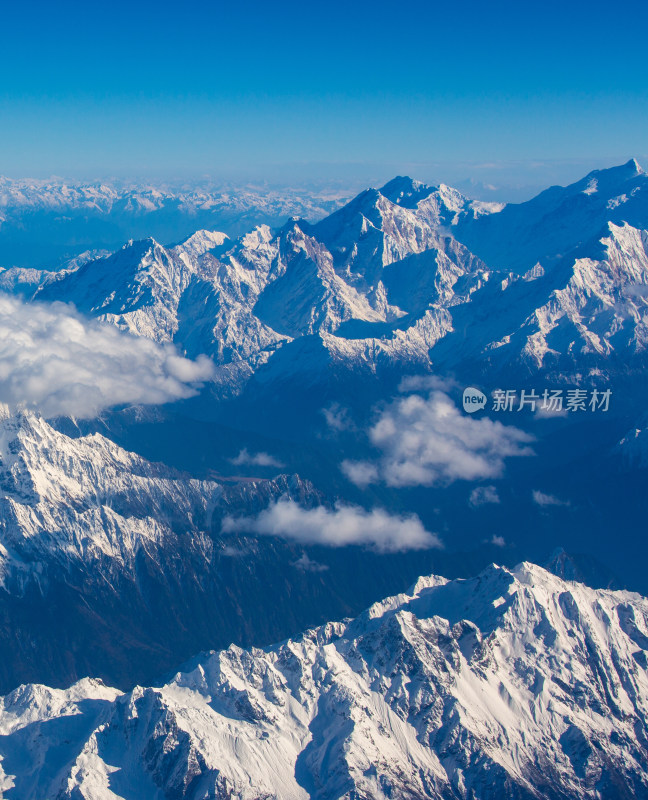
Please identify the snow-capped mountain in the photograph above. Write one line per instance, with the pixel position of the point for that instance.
(67, 502)
(21, 195)
(43, 222)
(589, 312)
(602, 308)
(513, 684)
(115, 566)
(297, 320)
(138, 288)
(388, 281)
(559, 220)
(99, 545)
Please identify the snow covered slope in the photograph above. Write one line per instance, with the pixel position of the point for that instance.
(603, 307)
(180, 293)
(559, 220)
(67, 502)
(589, 313)
(514, 684)
(388, 281)
(242, 305)
(138, 288)
(109, 563)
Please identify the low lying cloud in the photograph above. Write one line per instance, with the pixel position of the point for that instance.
(483, 495)
(542, 499)
(244, 458)
(307, 564)
(338, 418)
(427, 441)
(56, 362)
(635, 290)
(338, 527)
(233, 552)
(550, 413)
(362, 473)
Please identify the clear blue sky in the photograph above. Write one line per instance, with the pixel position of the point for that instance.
(139, 88)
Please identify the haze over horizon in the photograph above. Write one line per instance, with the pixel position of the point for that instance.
(501, 182)
(511, 95)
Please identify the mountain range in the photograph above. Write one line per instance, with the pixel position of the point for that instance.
(408, 277)
(513, 684)
(212, 444)
(49, 221)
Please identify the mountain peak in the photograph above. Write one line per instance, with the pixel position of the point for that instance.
(140, 246)
(634, 166)
(413, 684)
(405, 191)
(202, 242)
(608, 179)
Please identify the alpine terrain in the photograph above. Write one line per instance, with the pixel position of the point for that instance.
(513, 684)
(216, 436)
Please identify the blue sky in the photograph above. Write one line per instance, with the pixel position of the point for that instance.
(336, 89)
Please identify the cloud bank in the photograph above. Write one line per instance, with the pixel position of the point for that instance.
(338, 527)
(56, 362)
(362, 473)
(428, 442)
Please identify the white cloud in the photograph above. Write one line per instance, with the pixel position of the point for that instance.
(338, 527)
(245, 458)
(54, 361)
(636, 290)
(362, 473)
(338, 418)
(483, 495)
(542, 499)
(233, 552)
(428, 441)
(498, 541)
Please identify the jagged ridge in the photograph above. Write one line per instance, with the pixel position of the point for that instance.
(513, 684)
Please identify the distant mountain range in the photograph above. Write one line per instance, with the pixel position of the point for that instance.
(44, 222)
